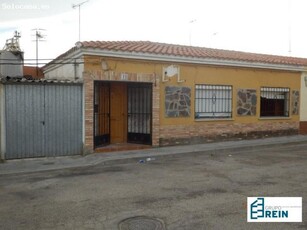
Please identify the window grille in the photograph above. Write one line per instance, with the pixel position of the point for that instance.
(213, 101)
(274, 102)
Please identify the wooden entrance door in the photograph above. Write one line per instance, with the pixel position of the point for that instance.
(118, 113)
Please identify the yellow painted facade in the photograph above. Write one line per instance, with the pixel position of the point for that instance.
(188, 130)
(238, 78)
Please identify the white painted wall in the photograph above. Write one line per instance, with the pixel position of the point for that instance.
(303, 105)
(65, 72)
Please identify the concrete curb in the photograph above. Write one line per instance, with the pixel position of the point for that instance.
(57, 163)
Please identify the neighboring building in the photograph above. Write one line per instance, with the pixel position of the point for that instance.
(303, 107)
(11, 58)
(162, 94)
(11, 63)
(33, 72)
(38, 117)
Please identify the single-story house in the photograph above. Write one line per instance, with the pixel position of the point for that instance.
(164, 94)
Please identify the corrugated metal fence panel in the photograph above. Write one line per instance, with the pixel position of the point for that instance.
(24, 115)
(43, 120)
(63, 120)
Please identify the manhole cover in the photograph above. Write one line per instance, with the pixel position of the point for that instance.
(141, 223)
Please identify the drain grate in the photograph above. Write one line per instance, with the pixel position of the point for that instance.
(141, 223)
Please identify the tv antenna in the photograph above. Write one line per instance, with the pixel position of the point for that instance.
(74, 6)
(39, 37)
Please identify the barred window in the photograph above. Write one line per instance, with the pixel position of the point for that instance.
(274, 102)
(213, 101)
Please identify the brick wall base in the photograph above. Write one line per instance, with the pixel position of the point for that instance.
(303, 127)
(183, 135)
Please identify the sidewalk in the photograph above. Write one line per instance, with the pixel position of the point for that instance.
(54, 163)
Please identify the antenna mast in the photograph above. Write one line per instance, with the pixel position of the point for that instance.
(74, 6)
(190, 34)
(38, 37)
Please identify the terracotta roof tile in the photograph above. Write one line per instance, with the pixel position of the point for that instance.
(154, 48)
(190, 51)
(31, 71)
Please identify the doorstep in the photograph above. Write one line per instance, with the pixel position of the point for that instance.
(121, 147)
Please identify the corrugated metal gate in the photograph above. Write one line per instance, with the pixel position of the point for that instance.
(43, 120)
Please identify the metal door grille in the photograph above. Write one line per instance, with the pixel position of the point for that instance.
(101, 114)
(139, 113)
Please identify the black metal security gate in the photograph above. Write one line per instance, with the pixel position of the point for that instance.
(101, 113)
(139, 113)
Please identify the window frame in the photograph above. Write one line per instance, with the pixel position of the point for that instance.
(276, 99)
(221, 98)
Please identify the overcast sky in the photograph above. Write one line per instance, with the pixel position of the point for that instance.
(262, 26)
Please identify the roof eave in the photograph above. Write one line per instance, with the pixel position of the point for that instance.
(191, 60)
(179, 59)
(77, 54)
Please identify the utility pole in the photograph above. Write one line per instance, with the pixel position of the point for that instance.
(74, 6)
(38, 37)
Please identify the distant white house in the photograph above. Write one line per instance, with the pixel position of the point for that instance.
(303, 104)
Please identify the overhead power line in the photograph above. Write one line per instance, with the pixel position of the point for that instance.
(40, 63)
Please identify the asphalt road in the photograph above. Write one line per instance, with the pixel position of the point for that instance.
(184, 191)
